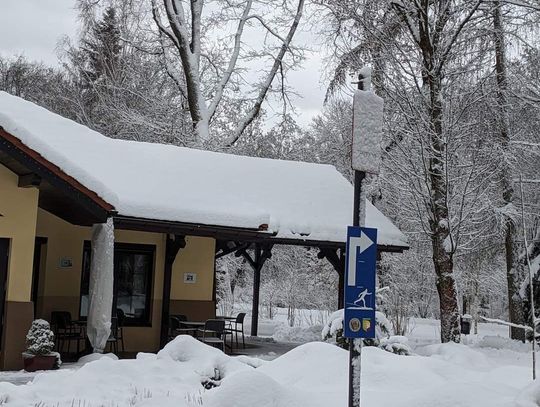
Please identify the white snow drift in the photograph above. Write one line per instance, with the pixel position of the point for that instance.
(313, 375)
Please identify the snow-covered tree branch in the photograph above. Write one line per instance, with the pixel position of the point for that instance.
(190, 32)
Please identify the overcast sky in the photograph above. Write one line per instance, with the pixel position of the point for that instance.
(33, 28)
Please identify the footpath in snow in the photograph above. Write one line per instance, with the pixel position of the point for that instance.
(488, 371)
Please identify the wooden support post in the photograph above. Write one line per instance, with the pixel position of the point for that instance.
(173, 245)
(336, 257)
(262, 253)
(256, 290)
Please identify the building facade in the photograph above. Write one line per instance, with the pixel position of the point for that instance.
(46, 267)
(174, 211)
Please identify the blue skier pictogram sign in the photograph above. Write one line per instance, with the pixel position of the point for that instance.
(361, 263)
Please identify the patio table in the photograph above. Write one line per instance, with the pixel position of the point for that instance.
(228, 320)
(196, 325)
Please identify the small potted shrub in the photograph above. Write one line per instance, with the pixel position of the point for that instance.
(39, 353)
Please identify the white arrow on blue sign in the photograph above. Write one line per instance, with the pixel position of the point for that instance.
(361, 263)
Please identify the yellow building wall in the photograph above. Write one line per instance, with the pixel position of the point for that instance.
(18, 223)
(60, 287)
(198, 258)
(194, 300)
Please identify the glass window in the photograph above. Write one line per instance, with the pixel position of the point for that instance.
(133, 266)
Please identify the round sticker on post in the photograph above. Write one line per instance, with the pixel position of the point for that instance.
(354, 324)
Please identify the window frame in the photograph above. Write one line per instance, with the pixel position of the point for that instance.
(134, 248)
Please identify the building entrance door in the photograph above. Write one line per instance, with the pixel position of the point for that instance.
(4, 254)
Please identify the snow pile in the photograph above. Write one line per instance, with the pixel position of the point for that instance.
(176, 373)
(499, 342)
(252, 389)
(95, 356)
(457, 354)
(164, 182)
(396, 344)
(313, 365)
(297, 334)
(207, 361)
(530, 397)
(314, 375)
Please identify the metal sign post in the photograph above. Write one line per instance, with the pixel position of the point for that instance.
(359, 297)
(359, 313)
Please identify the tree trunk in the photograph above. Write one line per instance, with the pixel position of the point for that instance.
(442, 243)
(522, 270)
(515, 305)
(513, 277)
(474, 300)
(432, 28)
(446, 287)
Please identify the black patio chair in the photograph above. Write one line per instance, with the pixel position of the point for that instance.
(65, 330)
(121, 317)
(174, 325)
(183, 328)
(214, 333)
(177, 327)
(112, 341)
(236, 327)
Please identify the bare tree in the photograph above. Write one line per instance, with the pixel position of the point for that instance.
(189, 34)
(432, 156)
(515, 308)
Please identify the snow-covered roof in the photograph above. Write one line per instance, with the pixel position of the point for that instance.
(296, 200)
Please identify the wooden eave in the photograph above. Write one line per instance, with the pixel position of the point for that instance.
(227, 233)
(60, 193)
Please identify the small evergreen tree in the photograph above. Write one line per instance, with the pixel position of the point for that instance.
(40, 338)
(384, 336)
(333, 331)
(102, 49)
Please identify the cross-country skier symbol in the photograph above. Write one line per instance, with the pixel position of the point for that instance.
(361, 300)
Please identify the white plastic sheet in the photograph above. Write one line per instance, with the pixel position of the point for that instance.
(101, 285)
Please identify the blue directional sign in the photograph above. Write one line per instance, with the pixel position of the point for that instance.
(360, 269)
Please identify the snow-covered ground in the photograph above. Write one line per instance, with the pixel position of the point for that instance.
(487, 370)
(308, 324)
